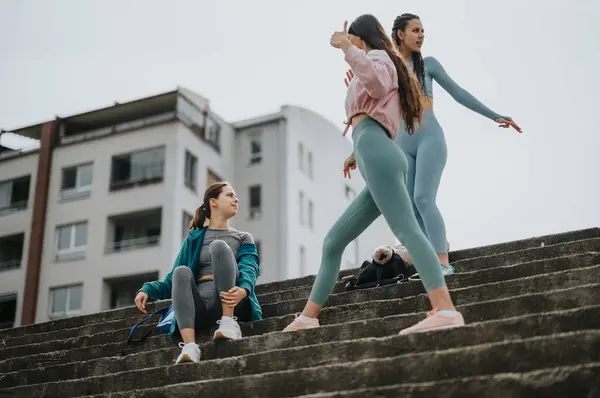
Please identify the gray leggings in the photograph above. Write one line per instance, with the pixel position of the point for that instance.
(198, 305)
(384, 168)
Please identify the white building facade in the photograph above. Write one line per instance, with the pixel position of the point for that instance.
(122, 186)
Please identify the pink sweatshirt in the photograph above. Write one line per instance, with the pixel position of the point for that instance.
(374, 88)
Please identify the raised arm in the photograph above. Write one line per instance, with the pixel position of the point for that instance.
(459, 94)
(374, 71)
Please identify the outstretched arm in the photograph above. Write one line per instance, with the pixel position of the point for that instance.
(459, 94)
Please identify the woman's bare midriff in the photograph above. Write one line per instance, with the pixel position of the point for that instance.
(357, 118)
(427, 103)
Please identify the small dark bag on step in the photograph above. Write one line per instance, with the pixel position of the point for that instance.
(386, 268)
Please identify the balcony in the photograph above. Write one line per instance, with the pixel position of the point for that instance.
(200, 122)
(14, 195)
(137, 169)
(134, 231)
(121, 291)
(11, 251)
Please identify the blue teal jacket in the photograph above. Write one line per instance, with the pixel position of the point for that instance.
(189, 255)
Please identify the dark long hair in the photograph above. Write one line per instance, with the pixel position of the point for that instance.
(203, 211)
(400, 24)
(368, 28)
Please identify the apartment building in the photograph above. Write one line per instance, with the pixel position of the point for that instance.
(104, 203)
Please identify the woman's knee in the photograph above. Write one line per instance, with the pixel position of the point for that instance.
(182, 273)
(333, 244)
(218, 247)
(424, 202)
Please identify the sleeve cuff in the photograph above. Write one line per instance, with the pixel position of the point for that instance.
(352, 53)
(247, 286)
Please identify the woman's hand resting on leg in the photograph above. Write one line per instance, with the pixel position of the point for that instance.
(233, 297)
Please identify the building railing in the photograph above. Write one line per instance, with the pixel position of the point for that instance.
(71, 254)
(10, 264)
(75, 193)
(132, 244)
(119, 128)
(7, 324)
(15, 206)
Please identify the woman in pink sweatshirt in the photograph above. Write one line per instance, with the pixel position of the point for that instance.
(381, 91)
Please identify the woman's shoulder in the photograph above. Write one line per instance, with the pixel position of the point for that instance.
(245, 237)
(380, 54)
(431, 62)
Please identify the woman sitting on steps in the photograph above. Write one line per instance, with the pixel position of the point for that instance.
(213, 277)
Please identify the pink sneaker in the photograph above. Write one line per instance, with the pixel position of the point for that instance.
(435, 321)
(297, 325)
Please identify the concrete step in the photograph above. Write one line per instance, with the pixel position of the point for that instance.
(403, 290)
(545, 240)
(529, 325)
(544, 301)
(560, 382)
(489, 251)
(364, 302)
(297, 371)
(375, 303)
(559, 249)
(463, 279)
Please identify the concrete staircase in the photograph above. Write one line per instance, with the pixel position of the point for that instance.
(532, 307)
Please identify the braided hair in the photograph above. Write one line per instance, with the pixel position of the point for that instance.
(400, 24)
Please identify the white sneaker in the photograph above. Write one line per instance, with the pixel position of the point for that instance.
(190, 352)
(228, 329)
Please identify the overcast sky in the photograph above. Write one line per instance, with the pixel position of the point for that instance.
(535, 60)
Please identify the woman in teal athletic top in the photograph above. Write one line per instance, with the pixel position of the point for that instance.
(426, 148)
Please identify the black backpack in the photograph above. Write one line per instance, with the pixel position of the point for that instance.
(386, 268)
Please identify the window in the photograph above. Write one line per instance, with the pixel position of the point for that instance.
(185, 225)
(8, 311)
(120, 291)
(310, 214)
(301, 207)
(11, 251)
(212, 178)
(14, 194)
(71, 242)
(255, 149)
(310, 164)
(301, 156)
(191, 165)
(76, 181)
(302, 260)
(137, 168)
(133, 231)
(255, 199)
(212, 134)
(65, 301)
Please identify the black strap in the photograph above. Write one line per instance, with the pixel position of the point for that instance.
(130, 339)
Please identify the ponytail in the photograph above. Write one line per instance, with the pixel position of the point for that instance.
(203, 212)
(200, 216)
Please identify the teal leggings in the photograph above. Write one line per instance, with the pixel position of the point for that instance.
(426, 153)
(384, 169)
